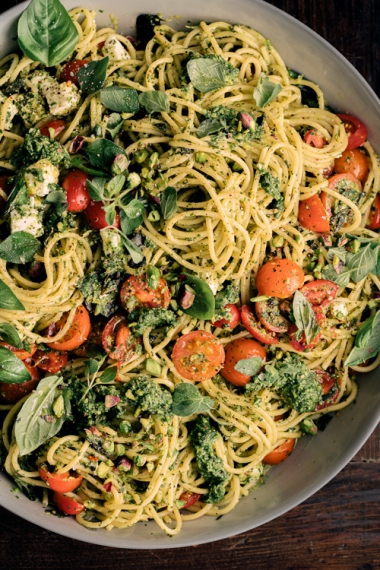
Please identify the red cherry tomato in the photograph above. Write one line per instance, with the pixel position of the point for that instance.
(67, 505)
(355, 129)
(61, 482)
(118, 341)
(231, 322)
(312, 215)
(135, 292)
(12, 393)
(190, 498)
(281, 453)
(71, 69)
(352, 161)
(19, 352)
(374, 214)
(77, 194)
(237, 350)
(58, 125)
(52, 362)
(320, 292)
(346, 178)
(77, 334)
(255, 328)
(95, 216)
(330, 390)
(279, 278)
(315, 139)
(269, 315)
(198, 355)
(301, 345)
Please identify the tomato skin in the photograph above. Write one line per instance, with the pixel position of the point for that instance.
(52, 361)
(60, 482)
(77, 194)
(57, 124)
(190, 498)
(255, 328)
(67, 505)
(236, 350)
(135, 292)
(279, 278)
(374, 214)
(71, 69)
(312, 215)
(12, 393)
(320, 292)
(77, 334)
(314, 138)
(95, 216)
(19, 352)
(265, 310)
(355, 129)
(203, 345)
(327, 384)
(117, 340)
(281, 453)
(353, 161)
(344, 177)
(233, 322)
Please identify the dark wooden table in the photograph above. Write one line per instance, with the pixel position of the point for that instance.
(337, 528)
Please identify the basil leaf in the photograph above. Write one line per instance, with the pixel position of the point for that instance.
(92, 76)
(250, 366)
(340, 252)
(12, 369)
(91, 366)
(362, 263)
(358, 355)
(120, 99)
(187, 400)
(110, 211)
(115, 185)
(77, 162)
(203, 306)
(8, 299)
(304, 316)
(168, 201)
(342, 279)
(265, 91)
(135, 253)
(114, 124)
(108, 375)
(128, 225)
(210, 73)
(102, 153)
(364, 333)
(19, 247)
(36, 421)
(58, 198)
(134, 209)
(95, 188)
(155, 101)
(10, 335)
(46, 33)
(208, 127)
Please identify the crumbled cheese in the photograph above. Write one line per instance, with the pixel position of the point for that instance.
(111, 241)
(115, 49)
(25, 218)
(338, 310)
(38, 176)
(10, 113)
(62, 98)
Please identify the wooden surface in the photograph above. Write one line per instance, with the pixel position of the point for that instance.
(337, 528)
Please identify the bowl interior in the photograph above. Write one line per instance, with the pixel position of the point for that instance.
(314, 462)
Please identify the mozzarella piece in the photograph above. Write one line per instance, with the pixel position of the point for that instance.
(62, 98)
(27, 219)
(338, 310)
(111, 241)
(11, 111)
(38, 176)
(115, 49)
(211, 282)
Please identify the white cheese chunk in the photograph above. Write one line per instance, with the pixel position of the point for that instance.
(62, 98)
(338, 310)
(38, 176)
(10, 111)
(27, 219)
(115, 49)
(111, 241)
(211, 282)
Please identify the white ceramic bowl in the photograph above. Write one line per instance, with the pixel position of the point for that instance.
(316, 461)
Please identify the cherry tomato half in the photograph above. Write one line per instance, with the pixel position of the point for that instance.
(135, 292)
(279, 278)
(198, 355)
(60, 482)
(67, 505)
(330, 389)
(255, 328)
(315, 138)
(281, 453)
(52, 361)
(345, 179)
(12, 393)
(71, 69)
(313, 216)
(353, 161)
(95, 216)
(19, 352)
(190, 498)
(355, 129)
(58, 125)
(77, 334)
(229, 323)
(236, 350)
(373, 222)
(77, 194)
(118, 341)
(269, 315)
(320, 292)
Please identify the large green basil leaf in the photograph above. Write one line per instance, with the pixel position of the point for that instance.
(46, 33)
(102, 153)
(12, 369)
(209, 73)
(8, 299)
(304, 316)
(168, 201)
(120, 99)
(367, 342)
(10, 335)
(155, 101)
(250, 366)
(265, 91)
(19, 247)
(92, 76)
(203, 306)
(187, 400)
